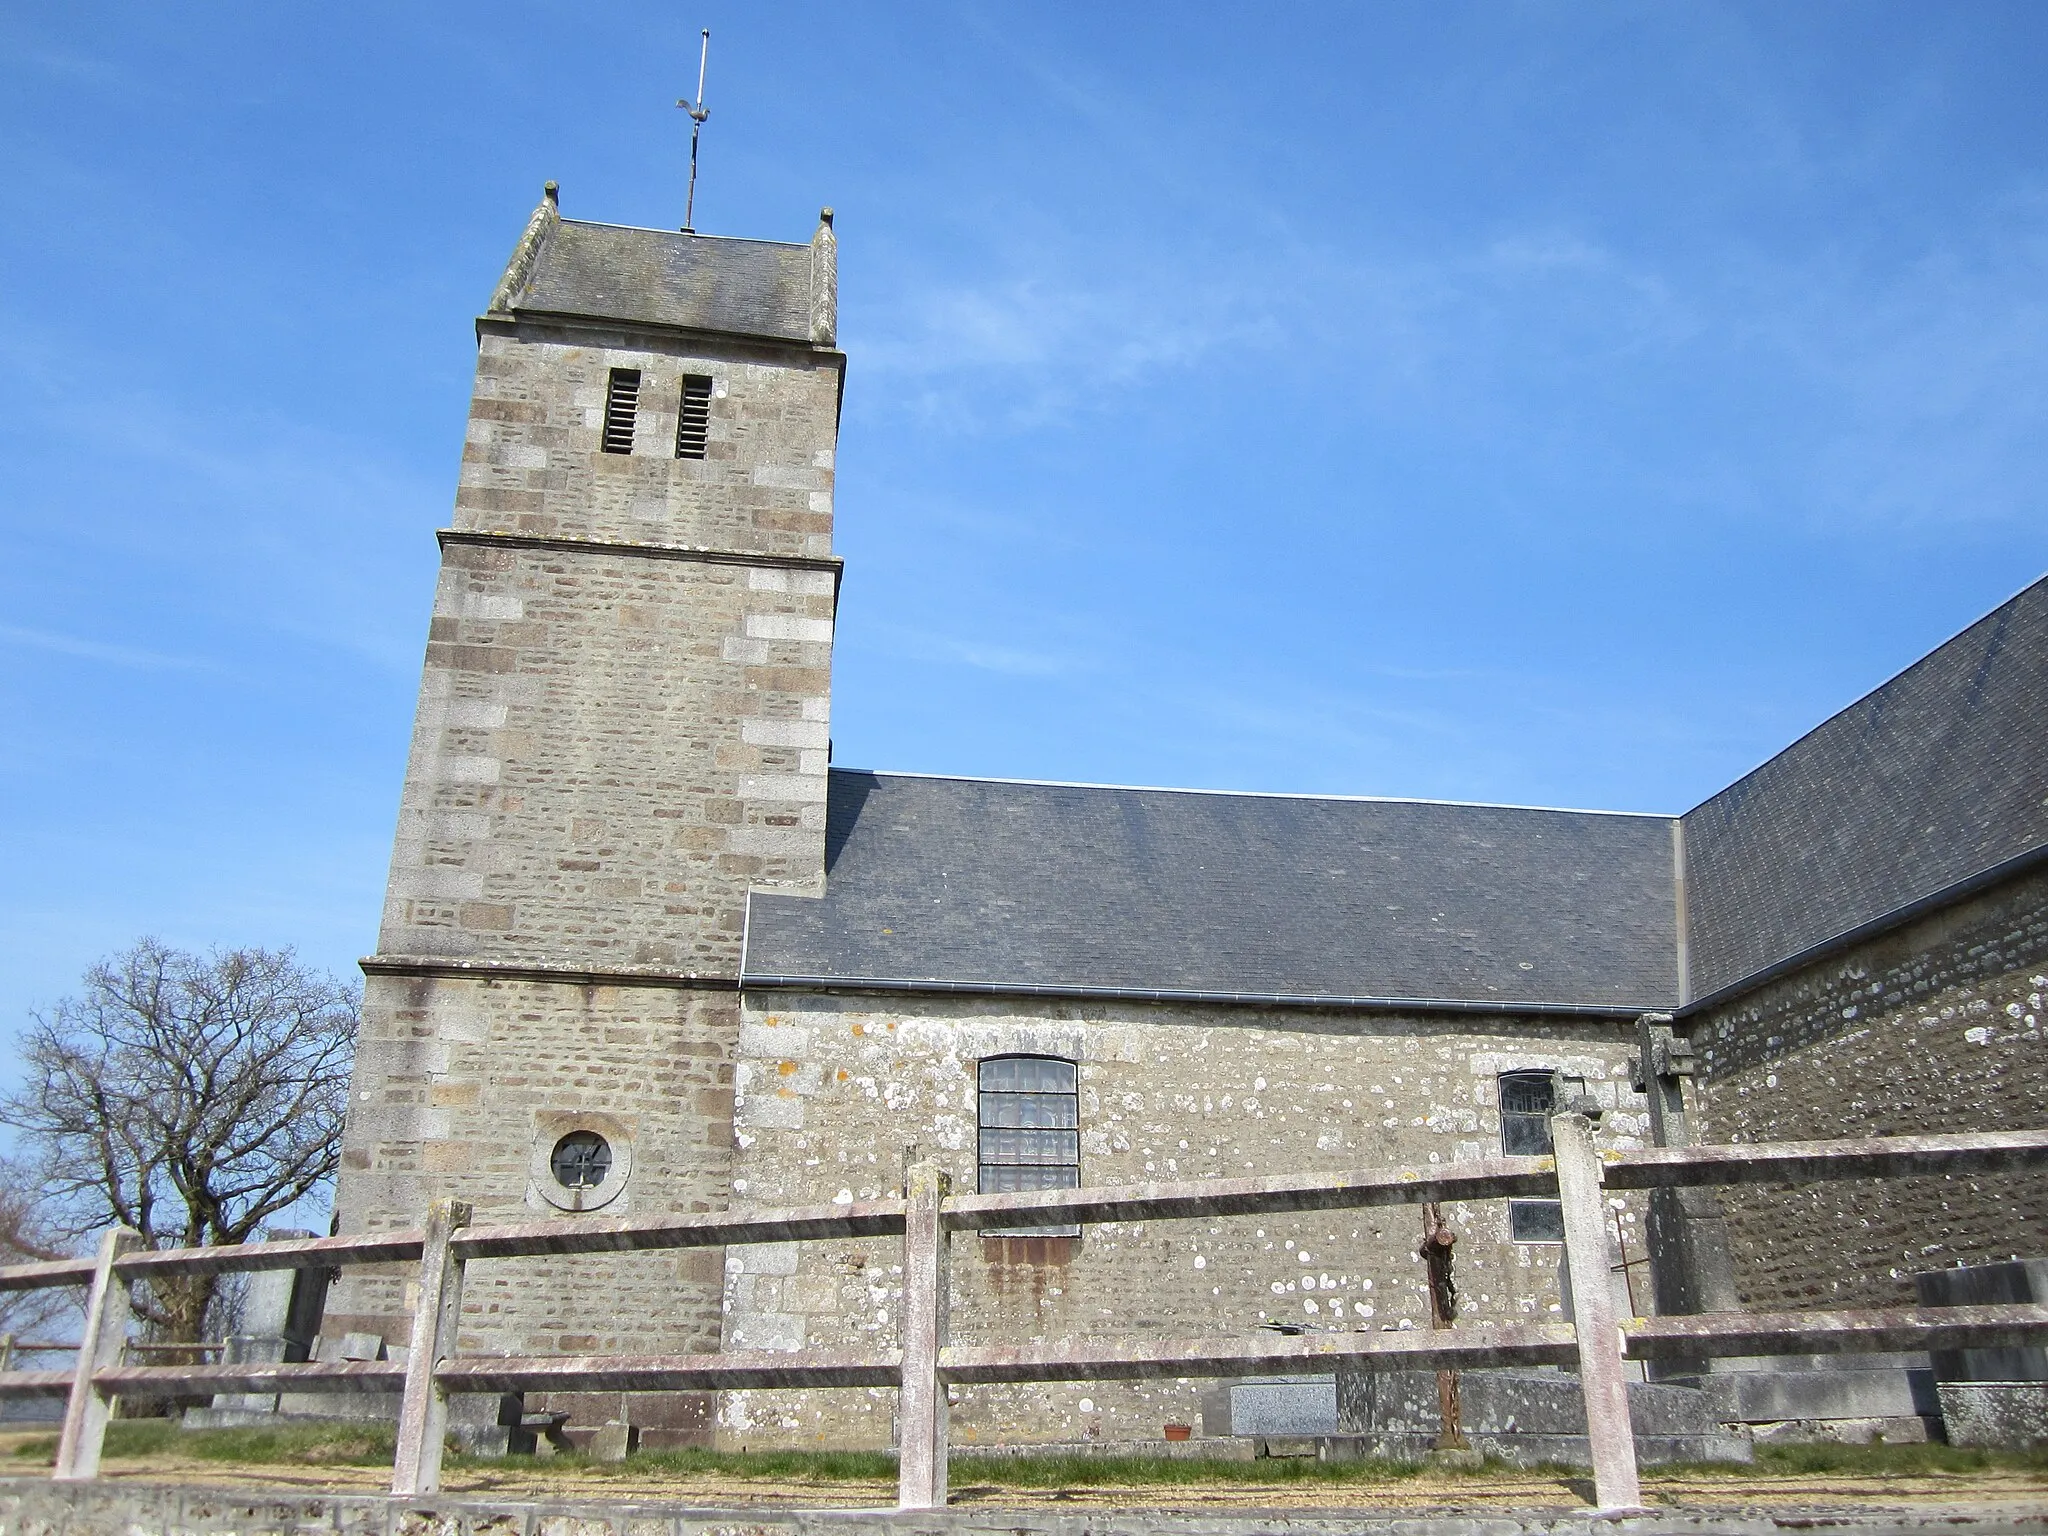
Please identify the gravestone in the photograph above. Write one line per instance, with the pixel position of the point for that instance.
(1990, 1397)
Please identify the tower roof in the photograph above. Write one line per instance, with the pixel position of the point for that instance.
(766, 288)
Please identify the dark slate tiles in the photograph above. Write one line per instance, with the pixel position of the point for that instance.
(703, 282)
(982, 881)
(1939, 774)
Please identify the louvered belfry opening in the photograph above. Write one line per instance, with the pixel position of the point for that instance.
(693, 419)
(621, 404)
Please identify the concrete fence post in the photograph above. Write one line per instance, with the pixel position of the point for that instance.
(1609, 1430)
(87, 1410)
(436, 1318)
(921, 1401)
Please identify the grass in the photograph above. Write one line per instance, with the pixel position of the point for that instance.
(968, 1469)
(1878, 1459)
(1884, 1460)
(370, 1445)
(1108, 1471)
(366, 1445)
(757, 1466)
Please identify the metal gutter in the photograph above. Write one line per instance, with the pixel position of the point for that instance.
(1308, 1000)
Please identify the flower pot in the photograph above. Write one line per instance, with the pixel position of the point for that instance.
(1180, 1431)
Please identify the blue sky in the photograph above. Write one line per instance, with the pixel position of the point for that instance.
(1557, 404)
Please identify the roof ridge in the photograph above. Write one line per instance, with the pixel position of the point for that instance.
(694, 234)
(1258, 794)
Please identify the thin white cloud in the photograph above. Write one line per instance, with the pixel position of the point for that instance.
(69, 66)
(1414, 330)
(1848, 388)
(273, 508)
(981, 655)
(92, 650)
(1020, 351)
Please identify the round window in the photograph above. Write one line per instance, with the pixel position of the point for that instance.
(578, 1160)
(581, 1160)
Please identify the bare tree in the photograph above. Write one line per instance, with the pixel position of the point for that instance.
(193, 1098)
(25, 1237)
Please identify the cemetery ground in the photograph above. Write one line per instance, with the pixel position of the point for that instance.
(358, 1460)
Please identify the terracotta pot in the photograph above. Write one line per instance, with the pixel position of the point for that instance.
(1180, 1431)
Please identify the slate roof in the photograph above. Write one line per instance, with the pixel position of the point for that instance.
(659, 277)
(1934, 777)
(1016, 884)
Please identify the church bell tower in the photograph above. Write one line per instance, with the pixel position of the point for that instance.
(622, 728)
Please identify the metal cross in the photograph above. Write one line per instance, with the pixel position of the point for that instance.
(698, 112)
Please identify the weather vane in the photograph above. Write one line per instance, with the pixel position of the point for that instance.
(698, 112)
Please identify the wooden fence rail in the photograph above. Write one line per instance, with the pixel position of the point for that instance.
(925, 1363)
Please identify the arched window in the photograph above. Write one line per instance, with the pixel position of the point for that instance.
(1030, 1119)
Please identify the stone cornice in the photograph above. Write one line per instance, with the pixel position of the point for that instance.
(440, 966)
(703, 555)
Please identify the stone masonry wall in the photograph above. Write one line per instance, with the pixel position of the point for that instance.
(532, 463)
(829, 1092)
(612, 748)
(1933, 1027)
(475, 1081)
(610, 751)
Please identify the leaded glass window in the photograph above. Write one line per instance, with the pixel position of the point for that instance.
(1526, 1102)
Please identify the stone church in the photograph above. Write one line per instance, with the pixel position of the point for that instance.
(645, 950)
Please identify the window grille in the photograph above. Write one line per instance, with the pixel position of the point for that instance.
(1030, 1118)
(621, 404)
(581, 1160)
(693, 417)
(1526, 1102)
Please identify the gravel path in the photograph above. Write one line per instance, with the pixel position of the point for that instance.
(1499, 1492)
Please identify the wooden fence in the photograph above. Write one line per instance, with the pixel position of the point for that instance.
(924, 1363)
